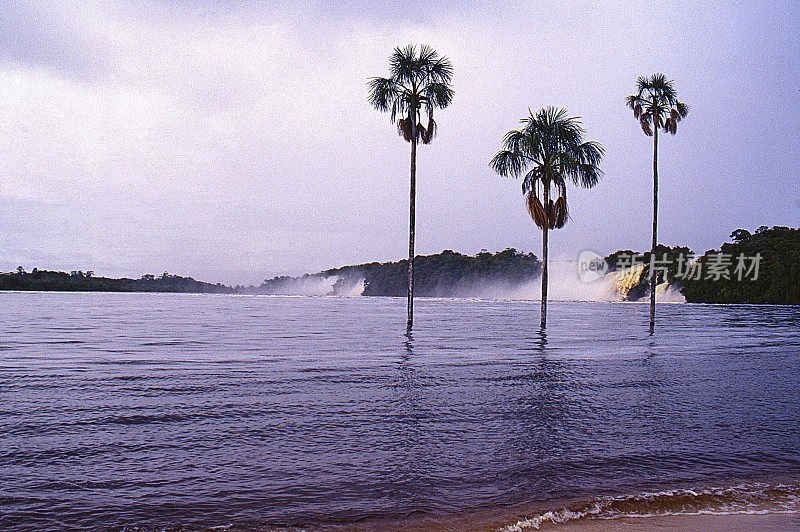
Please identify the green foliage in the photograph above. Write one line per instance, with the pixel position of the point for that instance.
(78, 281)
(740, 234)
(549, 150)
(656, 105)
(420, 81)
(451, 274)
(778, 280)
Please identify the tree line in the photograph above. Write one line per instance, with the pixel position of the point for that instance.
(78, 281)
(770, 274)
(777, 280)
(452, 274)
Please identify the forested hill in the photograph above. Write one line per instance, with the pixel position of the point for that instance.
(446, 274)
(760, 267)
(79, 281)
(774, 278)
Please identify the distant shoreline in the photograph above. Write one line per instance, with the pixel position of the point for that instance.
(52, 281)
(758, 268)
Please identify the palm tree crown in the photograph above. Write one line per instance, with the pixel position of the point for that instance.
(656, 104)
(418, 82)
(550, 147)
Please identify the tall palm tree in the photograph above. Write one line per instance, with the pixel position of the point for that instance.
(656, 106)
(550, 149)
(419, 83)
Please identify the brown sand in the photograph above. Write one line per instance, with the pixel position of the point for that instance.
(667, 523)
(687, 523)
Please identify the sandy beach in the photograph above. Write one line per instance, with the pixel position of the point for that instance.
(686, 523)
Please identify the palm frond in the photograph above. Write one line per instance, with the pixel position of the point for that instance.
(588, 175)
(427, 55)
(591, 152)
(403, 63)
(658, 103)
(536, 210)
(671, 125)
(441, 71)
(550, 146)
(422, 134)
(438, 94)
(507, 163)
(516, 141)
(430, 131)
(560, 214)
(404, 128)
(382, 93)
(397, 109)
(533, 176)
(645, 123)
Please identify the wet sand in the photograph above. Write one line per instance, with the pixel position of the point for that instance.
(687, 523)
(789, 522)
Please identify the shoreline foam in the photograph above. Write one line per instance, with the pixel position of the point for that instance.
(688, 523)
(752, 503)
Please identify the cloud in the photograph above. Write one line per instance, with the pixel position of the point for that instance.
(233, 141)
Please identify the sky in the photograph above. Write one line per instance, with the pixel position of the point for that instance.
(232, 141)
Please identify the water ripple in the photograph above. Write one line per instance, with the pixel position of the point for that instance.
(151, 412)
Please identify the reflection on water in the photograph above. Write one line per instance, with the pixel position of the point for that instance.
(541, 340)
(199, 411)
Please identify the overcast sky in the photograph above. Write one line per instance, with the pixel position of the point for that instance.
(232, 141)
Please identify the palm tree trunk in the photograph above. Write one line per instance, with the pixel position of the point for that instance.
(544, 255)
(655, 229)
(412, 217)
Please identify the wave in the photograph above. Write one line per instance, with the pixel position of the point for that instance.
(758, 498)
(318, 285)
(565, 284)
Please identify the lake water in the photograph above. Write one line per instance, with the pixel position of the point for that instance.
(197, 412)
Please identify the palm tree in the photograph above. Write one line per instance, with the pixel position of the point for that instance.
(419, 83)
(551, 149)
(656, 106)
